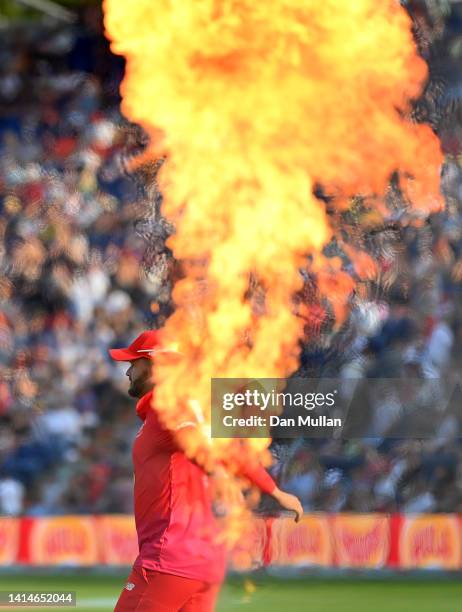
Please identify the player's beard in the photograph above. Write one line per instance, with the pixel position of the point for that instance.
(139, 387)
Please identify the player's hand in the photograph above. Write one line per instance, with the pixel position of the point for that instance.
(289, 502)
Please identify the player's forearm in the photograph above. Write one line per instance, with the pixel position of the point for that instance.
(277, 493)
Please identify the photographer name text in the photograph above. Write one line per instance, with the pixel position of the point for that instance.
(277, 421)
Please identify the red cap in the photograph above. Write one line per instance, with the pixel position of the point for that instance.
(147, 345)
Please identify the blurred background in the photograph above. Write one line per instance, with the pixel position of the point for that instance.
(84, 267)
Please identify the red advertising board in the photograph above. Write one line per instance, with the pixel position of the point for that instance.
(62, 540)
(117, 539)
(361, 540)
(429, 541)
(307, 542)
(9, 540)
(370, 541)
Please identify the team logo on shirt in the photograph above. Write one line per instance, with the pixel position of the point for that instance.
(129, 586)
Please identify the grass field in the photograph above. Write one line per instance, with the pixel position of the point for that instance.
(99, 593)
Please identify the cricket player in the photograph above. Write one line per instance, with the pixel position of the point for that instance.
(180, 567)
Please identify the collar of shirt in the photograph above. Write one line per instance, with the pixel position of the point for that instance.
(143, 405)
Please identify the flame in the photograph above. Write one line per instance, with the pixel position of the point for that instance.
(253, 104)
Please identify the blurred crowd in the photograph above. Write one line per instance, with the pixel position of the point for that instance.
(74, 282)
(73, 226)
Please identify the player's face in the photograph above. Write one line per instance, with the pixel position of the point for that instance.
(140, 376)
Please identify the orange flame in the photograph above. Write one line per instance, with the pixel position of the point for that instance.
(253, 103)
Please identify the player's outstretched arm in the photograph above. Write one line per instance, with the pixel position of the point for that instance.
(226, 489)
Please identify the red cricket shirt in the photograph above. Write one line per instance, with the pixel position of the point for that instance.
(173, 505)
